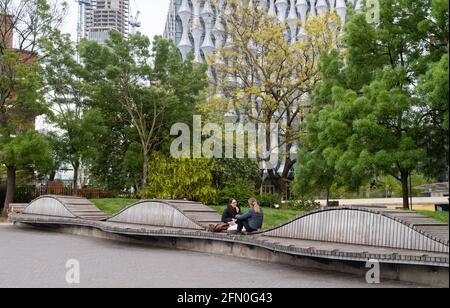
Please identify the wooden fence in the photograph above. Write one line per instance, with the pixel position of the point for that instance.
(88, 193)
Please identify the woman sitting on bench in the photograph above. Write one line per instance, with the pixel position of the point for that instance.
(229, 215)
(253, 219)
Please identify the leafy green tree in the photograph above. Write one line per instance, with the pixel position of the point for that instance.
(410, 34)
(316, 170)
(142, 92)
(385, 135)
(65, 92)
(239, 189)
(26, 151)
(28, 21)
(21, 98)
(123, 72)
(236, 178)
(231, 170)
(185, 79)
(56, 145)
(118, 162)
(20, 102)
(313, 175)
(433, 92)
(266, 79)
(368, 119)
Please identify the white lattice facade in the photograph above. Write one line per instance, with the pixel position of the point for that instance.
(194, 27)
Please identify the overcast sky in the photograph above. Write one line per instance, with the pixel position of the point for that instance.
(153, 16)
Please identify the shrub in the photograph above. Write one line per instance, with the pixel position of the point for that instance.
(269, 200)
(171, 178)
(301, 205)
(231, 169)
(25, 194)
(240, 190)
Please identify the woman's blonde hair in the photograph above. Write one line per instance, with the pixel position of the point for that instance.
(254, 205)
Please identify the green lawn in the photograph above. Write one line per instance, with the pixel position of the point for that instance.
(272, 217)
(440, 216)
(112, 206)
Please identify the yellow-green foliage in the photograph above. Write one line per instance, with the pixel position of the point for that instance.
(261, 63)
(267, 79)
(171, 178)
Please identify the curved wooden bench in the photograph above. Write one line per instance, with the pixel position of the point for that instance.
(168, 213)
(359, 226)
(64, 206)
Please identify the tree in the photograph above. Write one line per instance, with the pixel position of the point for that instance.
(142, 91)
(433, 91)
(236, 178)
(56, 145)
(66, 94)
(313, 175)
(229, 170)
(265, 79)
(316, 170)
(28, 21)
(186, 80)
(20, 85)
(27, 151)
(126, 75)
(386, 137)
(369, 118)
(118, 162)
(20, 102)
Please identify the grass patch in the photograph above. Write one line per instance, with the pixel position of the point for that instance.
(439, 216)
(112, 206)
(272, 217)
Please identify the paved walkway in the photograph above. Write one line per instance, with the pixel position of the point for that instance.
(34, 258)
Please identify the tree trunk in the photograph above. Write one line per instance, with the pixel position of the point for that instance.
(76, 167)
(52, 176)
(405, 190)
(145, 170)
(10, 189)
(280, 187)
(277, 181)
(328, 195)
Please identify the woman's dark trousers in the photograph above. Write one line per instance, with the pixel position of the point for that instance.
(244, 223)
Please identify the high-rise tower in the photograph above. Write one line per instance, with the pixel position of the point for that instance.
(101, 16)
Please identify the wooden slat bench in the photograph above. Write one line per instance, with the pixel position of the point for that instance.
(16, 208)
